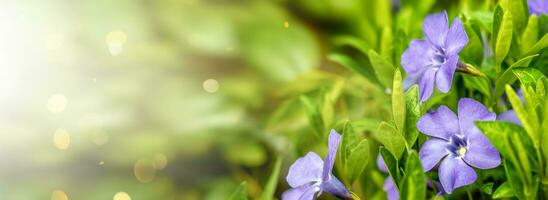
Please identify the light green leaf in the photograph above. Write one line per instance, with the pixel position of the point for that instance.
(413, 184)
(348, 142)
(398, 102)
(383, 69)
(412, 107)
(541, 44)
(368, 124)
(522, 114)
(313, 113)
(353, 64)
(504, 40)
(391, 139)
(508, 76)
(240, 193)
(530, 35)
(504, 191)
(497, 131)
(357, 161)
(528, 76)
(518, 11)
(270, 187)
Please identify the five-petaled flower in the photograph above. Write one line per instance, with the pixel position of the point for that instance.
(538, 7)
(310, 174)
(457, 143)
(434, 60)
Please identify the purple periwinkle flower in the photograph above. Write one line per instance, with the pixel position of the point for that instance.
(538, 7)
(310, 175)
(457, 143)
(433, 61)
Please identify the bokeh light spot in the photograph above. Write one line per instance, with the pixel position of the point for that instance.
(286, 24)
(115, 41)
(121, 196)
(59, 195)
(57, 103)
(211, 85)
(100, 137)
(144, 170)
(61, 139)
(160, 161)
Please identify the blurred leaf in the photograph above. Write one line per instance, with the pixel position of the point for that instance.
(360, 68)
(368, 124)
(413, 184)
(398, 102)
(255, 153)
(479, 84)
(386, 46)
(357, 160)
(504, 191)
(240, 193)
(313, 113)
(412, 114)
(383, 69)
(503, 40)
(390, 138)
(270, 187)
(508, 76)
(348, 142)
(391, 164)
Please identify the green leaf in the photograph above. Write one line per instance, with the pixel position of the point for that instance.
(508, 76)
(504, 39)
(541, 44)
(522, 113)
(522, 190)
(383, 69)
(504, 191)
(518, 11)
(386, 46)
(391, 139)
(368, 124)
(352, 42)
(270, 187)
(391, 164)
(412, 107)
(357, 161)
(498, 131)
(530, 35)
(487, 188)
(479, 84)
(497, 20)
(240, 193)
(413, 184)
(473, 52)
(398, 102)
(528, 76)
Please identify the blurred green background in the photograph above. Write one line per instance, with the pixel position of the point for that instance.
(174, 99)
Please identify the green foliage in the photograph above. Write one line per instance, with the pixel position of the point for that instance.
(240, 193)
(413, 184)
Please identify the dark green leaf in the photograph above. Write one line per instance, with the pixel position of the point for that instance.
(487, 188)
(391, 164)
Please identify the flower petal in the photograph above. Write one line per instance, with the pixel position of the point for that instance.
(306, 169)
(435, 28)
(481, 153)
(471, 111)
(509, 116)
(442, 123)
(334, 187)
(426, 84)
(416, 57)
(381, 165)
(329, 161)
(454, 173)
(305, 192)
(444, 76)
(456, 38)
(391, 189)
(431, 152)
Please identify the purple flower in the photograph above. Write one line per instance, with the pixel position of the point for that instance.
(457, 143)
(434, 60)
(310, 174)
(538, 7)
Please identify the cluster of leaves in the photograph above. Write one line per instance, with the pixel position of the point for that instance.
(506, 44)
